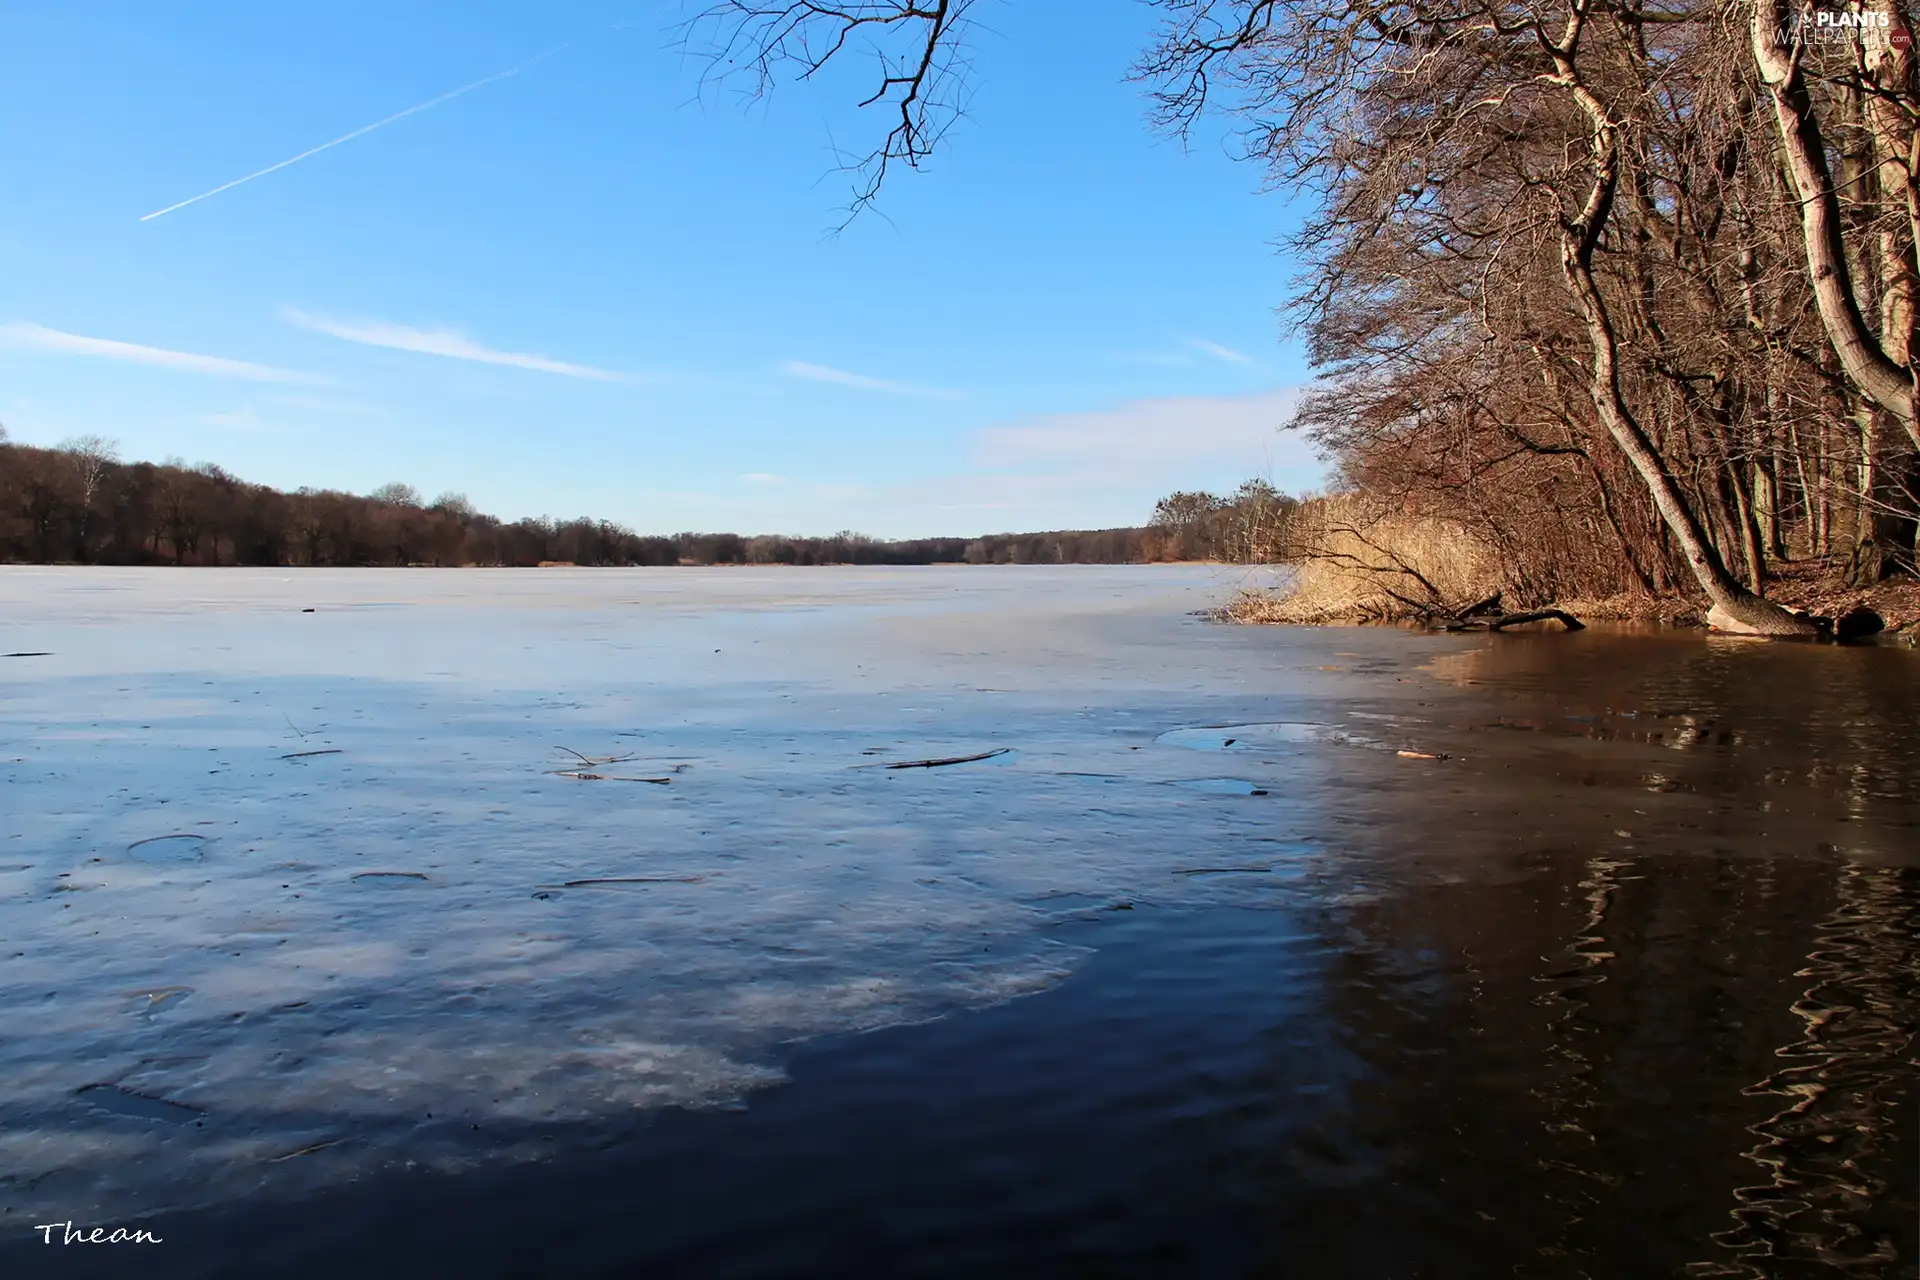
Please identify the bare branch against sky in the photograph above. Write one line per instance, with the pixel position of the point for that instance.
(920, 71)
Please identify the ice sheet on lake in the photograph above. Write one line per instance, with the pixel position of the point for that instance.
(312, 893)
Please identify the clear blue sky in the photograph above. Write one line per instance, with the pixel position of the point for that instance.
(585, 290)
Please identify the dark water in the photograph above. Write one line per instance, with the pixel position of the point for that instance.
(1628, 984)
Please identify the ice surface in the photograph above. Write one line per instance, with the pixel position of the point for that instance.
(1222, 786)
(291, 895)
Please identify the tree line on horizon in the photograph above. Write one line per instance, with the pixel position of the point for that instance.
(79, 503)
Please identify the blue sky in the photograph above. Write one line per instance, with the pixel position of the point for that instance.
(587, 289)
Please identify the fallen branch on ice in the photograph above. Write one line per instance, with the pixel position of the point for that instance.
(583, 776)
(935, 764)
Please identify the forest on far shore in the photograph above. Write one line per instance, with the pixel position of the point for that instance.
(79, 503)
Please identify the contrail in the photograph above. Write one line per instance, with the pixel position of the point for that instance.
(364, 129)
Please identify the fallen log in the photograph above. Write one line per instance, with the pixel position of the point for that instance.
(1490, 605)
(1564, 618)
(1505, 620)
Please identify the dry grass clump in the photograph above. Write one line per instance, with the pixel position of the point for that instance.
(1358, 561)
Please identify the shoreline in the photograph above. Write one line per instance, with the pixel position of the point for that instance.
(1809, 587)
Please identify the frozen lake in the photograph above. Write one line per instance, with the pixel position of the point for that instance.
(567, 922)
(314, 871)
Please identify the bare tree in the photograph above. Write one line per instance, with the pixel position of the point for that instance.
(456, 505)
(397, 494)
(89, 457)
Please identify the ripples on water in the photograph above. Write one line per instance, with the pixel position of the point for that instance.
(1828, 1155)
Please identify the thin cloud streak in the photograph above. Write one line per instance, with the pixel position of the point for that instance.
(1186, 356)
(840, 377)
(40, 338)
(442, 342)
(1219, 352)
(362, 131)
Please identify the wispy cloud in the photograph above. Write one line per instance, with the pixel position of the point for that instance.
(840, 377)
(1202, 430)
(349, 137)
(40, 338)
(1219, 352)
(1099, 467)
(441, 342)
(762, 477)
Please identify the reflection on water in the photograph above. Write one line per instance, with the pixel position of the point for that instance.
(1565, 1053)
(1766, 871)
(1573, 1122)
(1734, 718)
(1824, 1154)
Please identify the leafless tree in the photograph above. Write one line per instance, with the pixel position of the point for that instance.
(397, 494)
(88, 456)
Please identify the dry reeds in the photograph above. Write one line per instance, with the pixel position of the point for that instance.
(1359, 561)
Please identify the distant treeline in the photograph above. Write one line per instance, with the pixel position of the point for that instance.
(78, 503)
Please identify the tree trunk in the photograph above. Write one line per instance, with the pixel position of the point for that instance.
(1734, 607)
(1766, 505)
(1885, 382)
(1749, 533)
